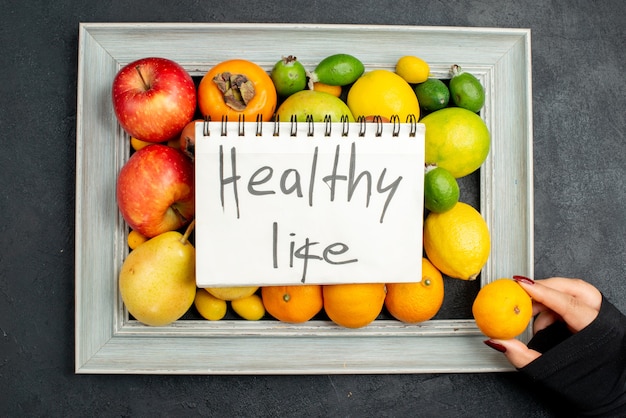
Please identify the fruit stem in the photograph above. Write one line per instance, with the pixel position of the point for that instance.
(312, 79)
(185, 237)
(455, 70)
(429, 167)
(143, 80)
(289, 60)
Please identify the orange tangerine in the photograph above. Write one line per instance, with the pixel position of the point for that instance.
(295, 304)
(418, 301)
(327, 88)
(353, 305)
(502, 309)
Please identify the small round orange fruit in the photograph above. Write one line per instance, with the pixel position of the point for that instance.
(236, 88)
(418, 301)
(135, 239)
(502, 309)
(294, 304)
(353, 305)
(327, 88)
(138, 144)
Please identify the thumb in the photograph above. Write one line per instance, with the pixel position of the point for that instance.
(518, 354)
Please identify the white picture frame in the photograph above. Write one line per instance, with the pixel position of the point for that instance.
(107, 342)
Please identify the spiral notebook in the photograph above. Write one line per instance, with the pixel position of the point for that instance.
(284, 203)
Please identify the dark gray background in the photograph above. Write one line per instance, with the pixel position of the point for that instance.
(579, 100)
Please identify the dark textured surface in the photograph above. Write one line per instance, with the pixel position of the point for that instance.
(579, 100)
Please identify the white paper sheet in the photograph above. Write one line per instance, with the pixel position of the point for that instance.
(317, 203)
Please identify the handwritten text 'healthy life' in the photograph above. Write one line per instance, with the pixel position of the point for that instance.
(341, 184)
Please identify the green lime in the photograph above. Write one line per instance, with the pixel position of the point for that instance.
(432, 94)
(441, 190)
(466, 90)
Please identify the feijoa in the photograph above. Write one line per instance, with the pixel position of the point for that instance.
(288, 76)
(337, 70)
(432, 94)
(466, 91)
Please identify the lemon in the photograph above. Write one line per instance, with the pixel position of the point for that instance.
(382, 93)
(441, 190)
(209, 306)
(432, 94)
(457, 242)
(413, 69)
(232, 293)
(250, 308)
(456, 139)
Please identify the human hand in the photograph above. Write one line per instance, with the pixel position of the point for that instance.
(573, 301)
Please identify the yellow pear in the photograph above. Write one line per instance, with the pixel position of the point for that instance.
(158, 278)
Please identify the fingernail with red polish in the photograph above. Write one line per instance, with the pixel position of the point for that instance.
(523, 279)
(496, 346)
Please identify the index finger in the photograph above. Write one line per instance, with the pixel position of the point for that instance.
(580, 289)
(576, 301)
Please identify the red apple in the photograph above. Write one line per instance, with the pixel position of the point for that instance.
(153, 99)
(155, 190)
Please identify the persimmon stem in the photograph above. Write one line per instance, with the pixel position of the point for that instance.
(143, 80)
(185, 236)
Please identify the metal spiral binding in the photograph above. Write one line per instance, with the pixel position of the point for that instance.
(411, 120)
(241, 126)
(259, 125)
(310, 129)
(345, 127)
(395, 119)
(276, 125)
(294, 125)
(224, 130)
(378, 120)
(205, 126)
(361, 121)
(327, 125)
